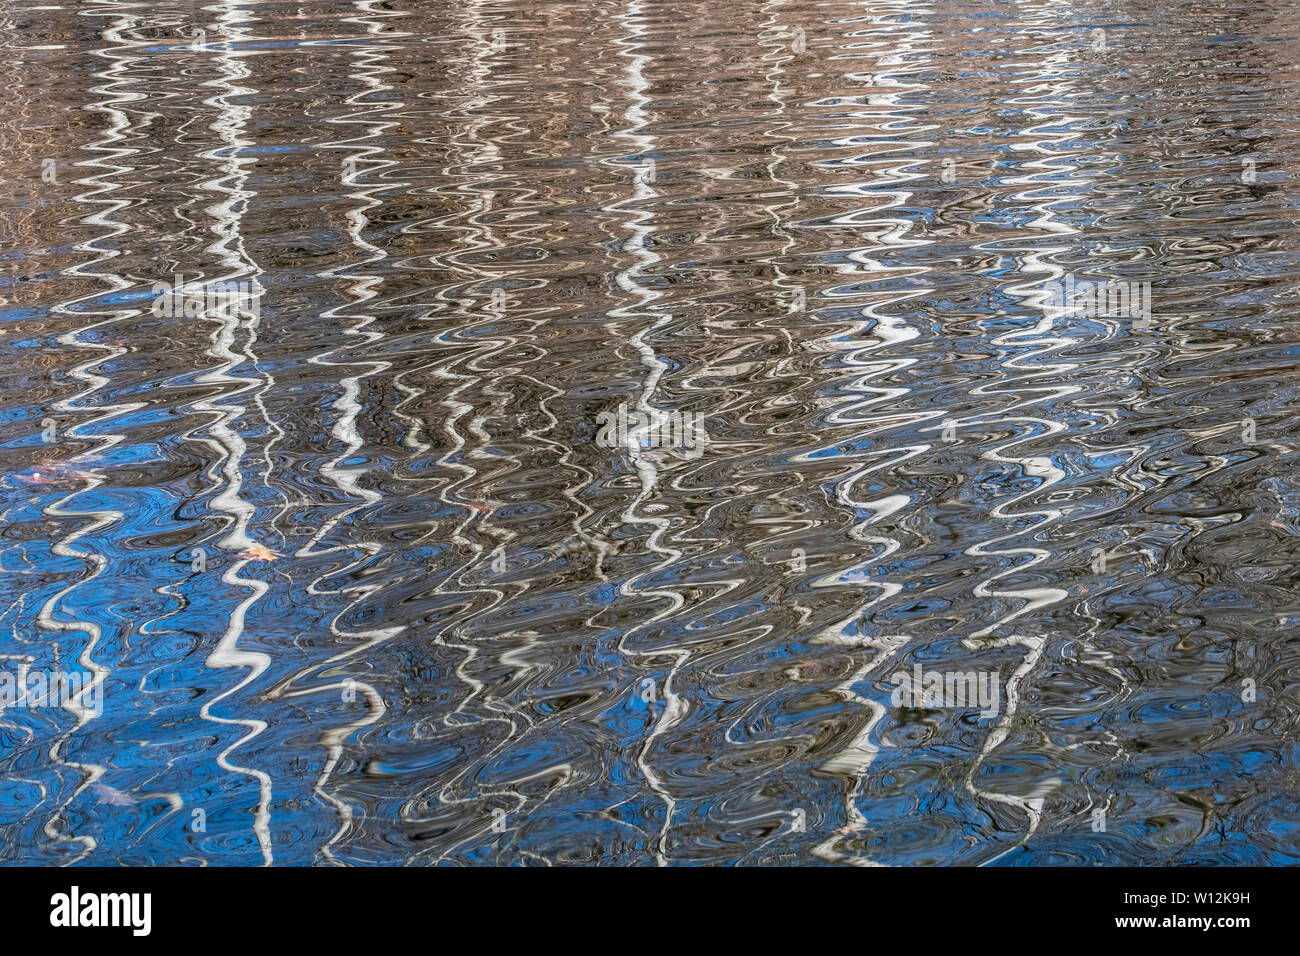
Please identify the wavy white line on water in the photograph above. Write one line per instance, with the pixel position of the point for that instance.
(639, 225)
(1041, 343)
(229, 125)
(119, 122)
(891, 103)
(362, 287)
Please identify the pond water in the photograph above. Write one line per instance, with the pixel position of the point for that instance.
(637, 432)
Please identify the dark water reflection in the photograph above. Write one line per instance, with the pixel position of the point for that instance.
(359, 579)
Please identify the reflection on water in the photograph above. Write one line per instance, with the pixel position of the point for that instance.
(649, 431)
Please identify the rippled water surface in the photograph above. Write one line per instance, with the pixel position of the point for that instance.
(351, 574)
